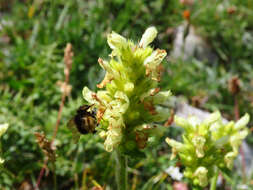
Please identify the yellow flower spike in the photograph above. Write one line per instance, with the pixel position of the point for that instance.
(208, 145)
(131, 97)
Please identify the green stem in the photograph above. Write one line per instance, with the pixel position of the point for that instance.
(121, 171)
(214, 180)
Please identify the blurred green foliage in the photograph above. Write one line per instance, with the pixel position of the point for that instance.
(33, 35)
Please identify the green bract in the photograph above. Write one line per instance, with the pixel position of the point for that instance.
(130, 98)
(208, 145)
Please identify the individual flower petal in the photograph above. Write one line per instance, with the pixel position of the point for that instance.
(237, 138)
(89, 96)
(128, 87)
(179, 147)
(199, 142)
(104, 97)
(116, 41)
(174, 173)
(113, 138)
(242, 122)
(229, 159)
(201, 174)
(105, 65)
(123, 101)
(152, 63)
(148, 37)
(221, 141)
(102, 134)
(155, 59)
(108, 78)
(160, 97)
(212, 118)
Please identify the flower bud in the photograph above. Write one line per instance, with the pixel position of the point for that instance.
(242, 122)
(128, 87)
(148, 37)
(188, 173)
(161, 97)
(201, 174)
(152, 62)
(199, 143)
(102, 134)
(116, 41)
(212, 118)
(113, 138)
(89, 96)
(229, 159)
(237, 138)
(179, 147)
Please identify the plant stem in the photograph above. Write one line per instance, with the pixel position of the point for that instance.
(214, 180)
(121, 171)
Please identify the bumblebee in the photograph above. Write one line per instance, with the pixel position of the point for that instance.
(83, 122)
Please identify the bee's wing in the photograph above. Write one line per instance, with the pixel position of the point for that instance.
(75, 133)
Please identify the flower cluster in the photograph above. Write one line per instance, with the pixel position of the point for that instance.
(3, 129)
(130, 98)
(208, 145)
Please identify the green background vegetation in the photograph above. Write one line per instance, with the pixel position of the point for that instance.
(33, 36)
